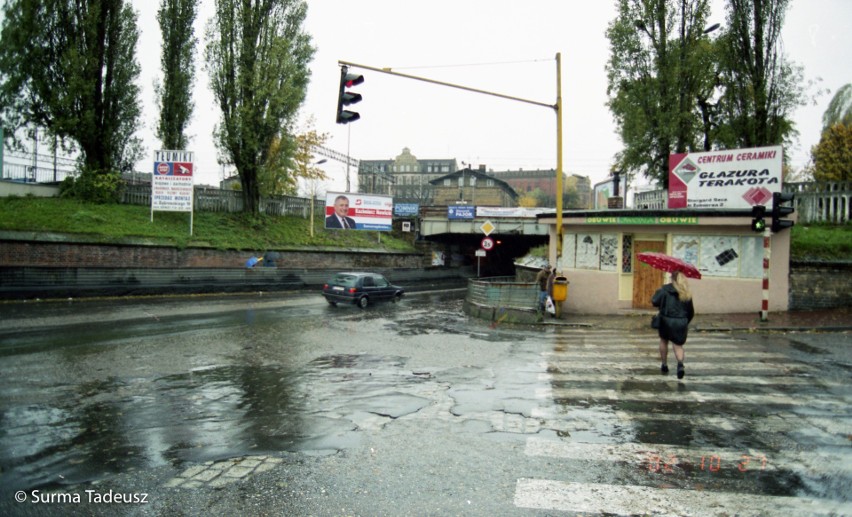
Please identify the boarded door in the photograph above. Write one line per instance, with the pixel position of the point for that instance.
(646, 280)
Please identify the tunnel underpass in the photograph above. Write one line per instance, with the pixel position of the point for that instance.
(497, 262)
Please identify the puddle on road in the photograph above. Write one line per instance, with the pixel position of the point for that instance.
(88, 431)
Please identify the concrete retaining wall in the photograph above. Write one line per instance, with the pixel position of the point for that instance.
(16, 188)
(46, 265)
(53, 250)
(58, 282)
(816, 285)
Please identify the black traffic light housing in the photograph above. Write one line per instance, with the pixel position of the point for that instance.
(346, 97)
(779, 210)
(758, 224)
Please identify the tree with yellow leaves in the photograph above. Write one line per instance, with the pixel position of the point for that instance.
(832, 156)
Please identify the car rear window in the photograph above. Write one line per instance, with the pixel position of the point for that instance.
(344, 280)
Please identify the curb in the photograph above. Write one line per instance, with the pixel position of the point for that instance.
(703, 328)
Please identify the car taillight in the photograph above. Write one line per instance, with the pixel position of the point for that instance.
(351, 290)
(325, 286)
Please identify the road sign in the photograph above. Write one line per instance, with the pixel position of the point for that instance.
(487, 228)
(480, 253)
(487, 243)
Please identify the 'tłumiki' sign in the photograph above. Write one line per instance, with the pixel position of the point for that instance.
(171, 183)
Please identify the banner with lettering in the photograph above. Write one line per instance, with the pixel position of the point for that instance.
(171, 182)
(731, 179)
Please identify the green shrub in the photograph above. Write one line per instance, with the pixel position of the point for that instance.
(93, 186)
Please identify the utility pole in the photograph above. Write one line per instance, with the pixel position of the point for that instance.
(556, 107)
(558, 157)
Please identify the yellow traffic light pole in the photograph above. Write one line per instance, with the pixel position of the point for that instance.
(556, 107)
(558, 158)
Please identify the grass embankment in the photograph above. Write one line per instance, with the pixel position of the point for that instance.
(111, 223)
(114, 223)
(831, 243)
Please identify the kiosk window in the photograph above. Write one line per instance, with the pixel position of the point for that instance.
(627, 254)
(721, 255)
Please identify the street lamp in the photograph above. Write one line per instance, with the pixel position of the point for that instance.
(314, 198)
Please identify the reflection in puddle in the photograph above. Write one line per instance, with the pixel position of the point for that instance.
(205, 414)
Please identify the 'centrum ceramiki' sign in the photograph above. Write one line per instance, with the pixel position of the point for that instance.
(735, 178)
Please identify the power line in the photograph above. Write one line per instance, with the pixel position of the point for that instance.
(461, 65)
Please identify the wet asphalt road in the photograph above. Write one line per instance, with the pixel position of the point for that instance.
(282, 405)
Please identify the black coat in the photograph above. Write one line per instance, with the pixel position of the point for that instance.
(676, 315)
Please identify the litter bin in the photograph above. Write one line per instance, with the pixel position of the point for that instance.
(560, 289)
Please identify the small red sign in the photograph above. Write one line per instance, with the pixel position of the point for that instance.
(487, 243)
(163, 168)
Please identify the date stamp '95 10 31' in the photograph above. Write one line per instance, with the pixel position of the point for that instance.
(666, 463)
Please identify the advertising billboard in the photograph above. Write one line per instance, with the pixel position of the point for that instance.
(349, 211)
(732, 179)
(171, 182)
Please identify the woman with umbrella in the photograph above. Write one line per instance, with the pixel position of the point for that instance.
(676, 311)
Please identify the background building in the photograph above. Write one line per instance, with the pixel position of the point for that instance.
(582, 185)
(474, 188)
(405, 177)
(410, 180)
(527, 182)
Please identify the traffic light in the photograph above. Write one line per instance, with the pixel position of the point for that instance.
(345, 97)
(758, 224)
(779, 210)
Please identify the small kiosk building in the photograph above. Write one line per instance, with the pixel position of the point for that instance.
(599, 248)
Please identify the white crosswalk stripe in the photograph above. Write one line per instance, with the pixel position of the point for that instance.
(703, 379)
(641, 500)
(674, 447)
(652, 396)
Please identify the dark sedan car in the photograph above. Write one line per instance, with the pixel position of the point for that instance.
(361, 289)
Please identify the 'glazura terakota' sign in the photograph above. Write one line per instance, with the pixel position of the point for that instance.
(736, 178)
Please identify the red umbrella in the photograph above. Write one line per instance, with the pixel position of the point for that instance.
(668, 263)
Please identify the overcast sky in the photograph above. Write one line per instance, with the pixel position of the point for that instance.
(505, 46)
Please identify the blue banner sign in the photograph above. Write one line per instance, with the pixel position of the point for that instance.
(461, 212)
(406, 209)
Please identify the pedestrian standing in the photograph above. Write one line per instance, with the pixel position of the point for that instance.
(550, 279)
(541, 280)
(676, 312)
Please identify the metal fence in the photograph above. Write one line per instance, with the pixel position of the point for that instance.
(502, 292)
(29, 174)
(816, 202)
(217, 200)
(822, 202)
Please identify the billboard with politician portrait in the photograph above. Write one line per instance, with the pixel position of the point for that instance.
(348, 211)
